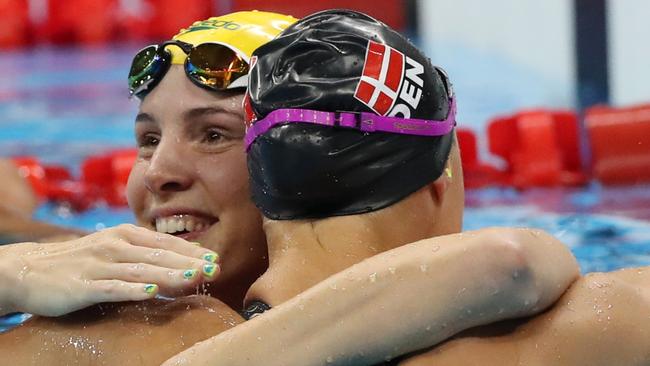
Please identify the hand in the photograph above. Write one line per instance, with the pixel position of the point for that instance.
(124, 263)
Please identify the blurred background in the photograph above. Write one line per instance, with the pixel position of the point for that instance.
(553, 102)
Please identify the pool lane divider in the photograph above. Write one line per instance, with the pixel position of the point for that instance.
(103, 179)
(540, 148)
(544, 148)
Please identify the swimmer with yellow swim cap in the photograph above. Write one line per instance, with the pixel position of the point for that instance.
(189, 181)
(215, 53)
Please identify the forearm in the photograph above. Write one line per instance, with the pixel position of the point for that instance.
(14, 228)
(7, 271)
(397, 302)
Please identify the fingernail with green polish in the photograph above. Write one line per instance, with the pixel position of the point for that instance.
(211, 257)
(151, 289)
(209, 269)
(189, 274)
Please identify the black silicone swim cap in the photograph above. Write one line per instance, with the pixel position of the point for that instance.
(341, 60)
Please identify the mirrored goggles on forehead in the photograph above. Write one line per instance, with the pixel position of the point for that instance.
(212, 66)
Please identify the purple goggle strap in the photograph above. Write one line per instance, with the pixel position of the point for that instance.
(363, 121)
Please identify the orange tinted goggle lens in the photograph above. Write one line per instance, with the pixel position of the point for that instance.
(214, 66)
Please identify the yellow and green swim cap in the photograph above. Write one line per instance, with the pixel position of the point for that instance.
(215, 52)
(243, 31)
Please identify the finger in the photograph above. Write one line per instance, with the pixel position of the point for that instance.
(132, 254)
(169, 280)
(116, 290)
(147, 238)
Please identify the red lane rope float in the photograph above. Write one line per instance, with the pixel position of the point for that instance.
(540, 148)
(476, 174)
(620, 143)
(106, 175)
(103, 179)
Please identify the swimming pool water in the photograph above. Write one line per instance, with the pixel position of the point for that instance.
(606, 228)
(62, 105)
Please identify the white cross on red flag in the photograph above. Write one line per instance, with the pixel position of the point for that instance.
(381, 79)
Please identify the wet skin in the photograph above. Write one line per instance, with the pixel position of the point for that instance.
(602, 319)
(142, 333)
(191, 162)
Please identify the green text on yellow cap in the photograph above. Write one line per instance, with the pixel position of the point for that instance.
(242, 31)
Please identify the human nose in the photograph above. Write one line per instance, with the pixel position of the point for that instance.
(168, 169)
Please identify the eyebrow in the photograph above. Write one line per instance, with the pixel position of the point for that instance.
(202, 111)
(144, 117)
(189, 114)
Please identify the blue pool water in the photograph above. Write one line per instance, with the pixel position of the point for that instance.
(62, 105)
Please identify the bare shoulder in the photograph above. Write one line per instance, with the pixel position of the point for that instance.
(138, 333)
(603, 319)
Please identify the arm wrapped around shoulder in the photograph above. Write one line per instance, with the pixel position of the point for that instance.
(540, 267)
(406, 299)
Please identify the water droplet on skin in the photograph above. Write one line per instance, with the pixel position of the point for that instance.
(330, 359)
(423, 267)
(391, 270)
(373, 277)
(435, 248)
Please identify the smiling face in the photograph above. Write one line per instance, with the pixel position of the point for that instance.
(191, 180)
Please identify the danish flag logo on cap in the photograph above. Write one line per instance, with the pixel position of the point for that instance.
(382, 76)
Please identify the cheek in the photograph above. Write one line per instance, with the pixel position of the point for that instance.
(227, 181)
(135, 189)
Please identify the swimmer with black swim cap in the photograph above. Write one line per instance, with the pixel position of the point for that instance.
(350, 140)
(345, 116)
(326, 128)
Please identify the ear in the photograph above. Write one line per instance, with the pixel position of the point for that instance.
(440, 186)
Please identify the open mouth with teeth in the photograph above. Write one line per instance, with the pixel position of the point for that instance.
(182, 225)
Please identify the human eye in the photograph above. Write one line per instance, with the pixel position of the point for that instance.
(148, 140)
(212, 136)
